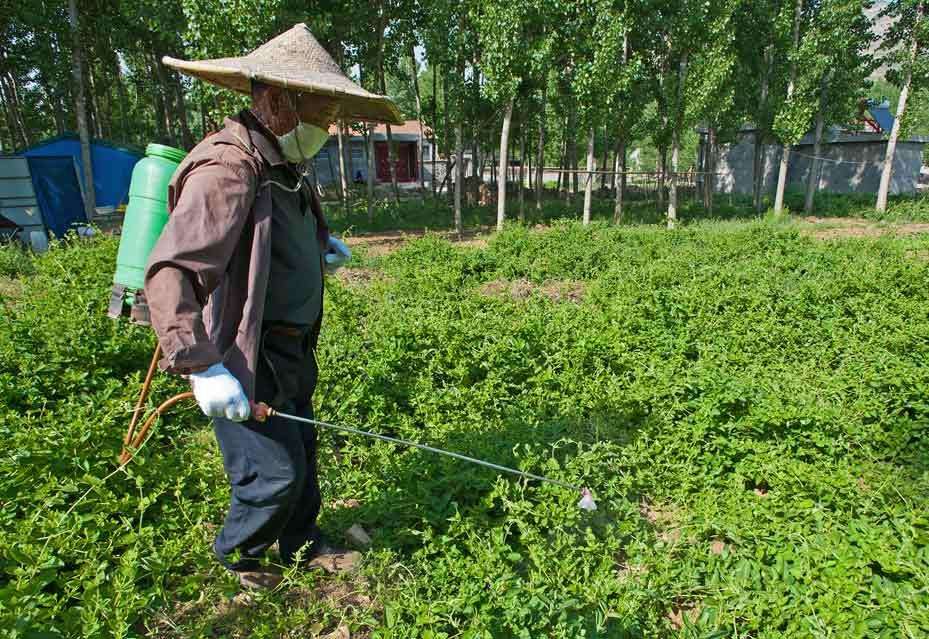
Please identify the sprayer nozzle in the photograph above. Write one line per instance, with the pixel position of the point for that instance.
(587, 500)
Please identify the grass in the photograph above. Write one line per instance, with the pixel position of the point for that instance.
(749, 405)
(414, 213)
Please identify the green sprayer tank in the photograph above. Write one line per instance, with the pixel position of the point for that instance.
(146, 216)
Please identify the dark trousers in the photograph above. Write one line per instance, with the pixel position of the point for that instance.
(271, 466)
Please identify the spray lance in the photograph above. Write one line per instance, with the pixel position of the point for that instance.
(261, 412)
(145, 218)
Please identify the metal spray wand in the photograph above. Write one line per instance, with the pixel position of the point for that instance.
(262, 411)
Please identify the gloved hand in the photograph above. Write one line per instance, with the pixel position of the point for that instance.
(337, 254)
(219, 394)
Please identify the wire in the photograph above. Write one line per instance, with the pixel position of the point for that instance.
(822, 159)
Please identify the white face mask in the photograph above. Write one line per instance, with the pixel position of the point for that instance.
(303, 142)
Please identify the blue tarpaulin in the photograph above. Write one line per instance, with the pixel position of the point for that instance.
(112, 166)
(57, 192)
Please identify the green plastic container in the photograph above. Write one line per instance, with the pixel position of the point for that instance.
(145, 218)
(146, 213)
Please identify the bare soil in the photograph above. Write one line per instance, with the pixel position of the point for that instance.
(690, 611)
(383, 243)
(360, 277)
(10, 289)
(830, 228)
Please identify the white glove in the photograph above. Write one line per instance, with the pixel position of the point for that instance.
(337, 254)
(219, 394)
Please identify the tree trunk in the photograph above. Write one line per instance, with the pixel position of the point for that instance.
(90, 197)
(812, 181)
(758, 162)
(13, 112)
(709, 176)
(11, 124)
(589, 184)
(186, 138)
(203, 119)
(391, 151)
(676, 141)
(606, 159)
(563, 164)
(123, 101)
(759, 159)
(475, 136)
(888, 170)
(170, 110)
(672, 186)
(572, 153)
(459, 172)
(785, 151)
(435, 124)
(540, 153)
(522, 160)
(620, 181)
(504, 164)
(446, 129)
(9, 90)
(343, 178)
(414, 71)
(662, 173)
(161, 115)
(528, 153)
(372, 171)
(94, 116)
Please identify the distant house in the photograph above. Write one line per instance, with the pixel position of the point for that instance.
(406, 147)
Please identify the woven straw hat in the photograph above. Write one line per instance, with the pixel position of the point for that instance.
(293, 60)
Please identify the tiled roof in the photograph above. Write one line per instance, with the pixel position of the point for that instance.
(410, 127)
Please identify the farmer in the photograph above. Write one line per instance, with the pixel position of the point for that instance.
(235, 289)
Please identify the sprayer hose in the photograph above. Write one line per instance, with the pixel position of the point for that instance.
(129, 450)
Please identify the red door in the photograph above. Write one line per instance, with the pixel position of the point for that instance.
(403, 162)
(406, 151)
(383, 166)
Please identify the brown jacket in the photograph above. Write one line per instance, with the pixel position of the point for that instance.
(208, 274)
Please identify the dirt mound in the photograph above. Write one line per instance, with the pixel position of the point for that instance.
(358, 276)
(555, 290)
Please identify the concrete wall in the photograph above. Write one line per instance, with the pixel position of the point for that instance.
(853, 164)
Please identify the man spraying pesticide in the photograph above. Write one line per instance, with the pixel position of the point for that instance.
(234, 291)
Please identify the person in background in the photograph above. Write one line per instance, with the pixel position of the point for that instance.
(235, 290)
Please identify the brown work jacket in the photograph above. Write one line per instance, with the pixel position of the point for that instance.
(207, 276)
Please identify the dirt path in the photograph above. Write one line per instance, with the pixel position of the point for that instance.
(382, 243)
(829, 228)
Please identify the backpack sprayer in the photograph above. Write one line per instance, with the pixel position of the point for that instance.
(146, 216)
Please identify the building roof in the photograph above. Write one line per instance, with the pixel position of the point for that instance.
(407, 129)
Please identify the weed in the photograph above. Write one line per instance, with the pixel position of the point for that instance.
(748, 403)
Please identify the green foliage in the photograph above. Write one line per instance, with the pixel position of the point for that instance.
(747, 403)
(15, 261)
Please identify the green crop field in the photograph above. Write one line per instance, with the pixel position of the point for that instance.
(749, 404)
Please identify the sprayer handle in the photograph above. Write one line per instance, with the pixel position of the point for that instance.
(260, 411)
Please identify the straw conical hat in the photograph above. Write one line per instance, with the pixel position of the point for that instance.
(293, 60)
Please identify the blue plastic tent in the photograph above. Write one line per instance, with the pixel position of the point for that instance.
(57, 192)
(52, 164)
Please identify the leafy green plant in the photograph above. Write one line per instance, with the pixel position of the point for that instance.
(747, 403)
